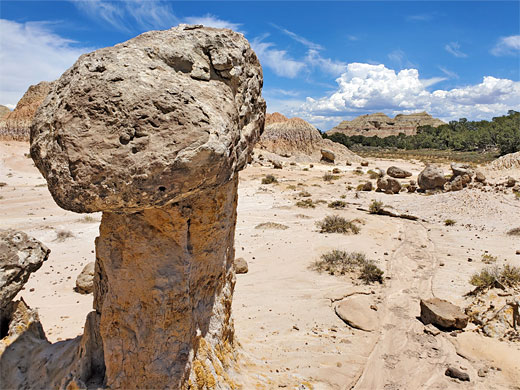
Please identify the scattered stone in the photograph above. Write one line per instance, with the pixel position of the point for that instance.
(397, 172)
(241, 266)
(367, 186)
(510, 182)
(364, 163)
(327, 156)
(430, 329)
(20, 255)
(356, 312)
(479, 177)
(85, 280)
(442, 313)
(454, 372)
(277, 164)
(482, 372)
(461, 169)
(431, 178)
(388, 185)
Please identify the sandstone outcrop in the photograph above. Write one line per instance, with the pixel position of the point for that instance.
(431, 178)
(442, 313)
(299, 140)
(356, 312)
(16, 124)
(508, 161)
(4, 112)
(152, 132)
(85, 280)
(397, 172)
(381, 125)
(20, 255)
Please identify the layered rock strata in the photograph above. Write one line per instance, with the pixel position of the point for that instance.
(152, 132)
(381, 125)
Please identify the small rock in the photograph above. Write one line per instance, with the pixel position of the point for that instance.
(482, 372)
(327, 156)
(510, 182)
(430, 329)
(241, 266)
(453, 372)
(365, 164)
(367, 186)
(388, 185)
(479, 177)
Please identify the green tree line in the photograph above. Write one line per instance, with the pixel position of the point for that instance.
(501, 133)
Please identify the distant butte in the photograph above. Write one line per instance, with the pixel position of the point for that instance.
(381, 125)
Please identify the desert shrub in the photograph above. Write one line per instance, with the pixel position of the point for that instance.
(306, 203)
(375, 207)
(358, 171)
(343, 196)
(360, 187)
(370, 272)
(373, 175)
(508, 276)
(269, 179)
(337, 224)
(514, 232)
(62, 235)
(339, 262)
(337, 204)
(329, 177)
(272, 225)
(2, 184)
(304, 194)
(306, 169)
(88, 219)
(336, 171)
(449, 222)
(488, 259)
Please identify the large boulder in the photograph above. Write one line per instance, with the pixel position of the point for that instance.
(397, 172)
(388, 185)
(431, 178)
(20, 255)
(442, 313)
(112, 134)
(85, 280)
(153, 132)
(461, 169)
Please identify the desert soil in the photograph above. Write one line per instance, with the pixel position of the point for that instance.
(285, 321)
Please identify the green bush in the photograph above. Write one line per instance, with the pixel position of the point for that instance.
(507, 276)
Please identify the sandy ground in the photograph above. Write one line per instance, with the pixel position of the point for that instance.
(284, 311)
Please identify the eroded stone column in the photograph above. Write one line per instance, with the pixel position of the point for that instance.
(164, 286)
(152, 132)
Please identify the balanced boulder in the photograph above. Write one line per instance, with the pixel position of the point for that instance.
(152, 132)
(327, 156)
(388, 185)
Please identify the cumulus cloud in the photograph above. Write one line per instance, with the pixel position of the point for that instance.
(368, 88)
(29, 53)
(454, 49)
(212, 21)
(277, 60)
(507, 46)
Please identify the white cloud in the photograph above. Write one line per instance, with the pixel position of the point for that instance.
(212, 21)
(434, 80)
(454, 49)
(352, 38)
(507, 46)
(277, 60)
(29, 53)
(327, 65)
(449, 73)
(298, 38)
(124, 14)
(369, 88)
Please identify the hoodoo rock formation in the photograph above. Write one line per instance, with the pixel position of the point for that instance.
(381, 125)
(152, 132)
(16, 124)
(297, 138)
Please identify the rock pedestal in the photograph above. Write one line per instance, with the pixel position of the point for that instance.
(163, 287)
(152, 132)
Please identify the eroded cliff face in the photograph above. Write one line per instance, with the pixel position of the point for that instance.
(381, 125)
(164, 285)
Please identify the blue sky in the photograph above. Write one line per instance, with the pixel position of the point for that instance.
(322, 61)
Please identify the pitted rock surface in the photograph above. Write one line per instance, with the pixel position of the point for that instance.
(20, 255)
(150, 121)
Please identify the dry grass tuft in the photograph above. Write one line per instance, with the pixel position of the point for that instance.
(337, 204)
(306, 204)
(272, 225)
(508, 276)
(330, 177)
(62, 235)
(514, 232)
(337, 262)
(337, 224)
(269, 179)
(449, 222)
(375, 207)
